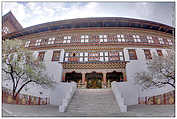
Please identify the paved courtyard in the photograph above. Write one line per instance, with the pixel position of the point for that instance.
(49, 110)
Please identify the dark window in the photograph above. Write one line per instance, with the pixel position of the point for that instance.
(147, 54)
(132, 54)
(56, 56)
(41, 56)
(159, 52)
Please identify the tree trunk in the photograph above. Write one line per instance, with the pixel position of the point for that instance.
(22, 88)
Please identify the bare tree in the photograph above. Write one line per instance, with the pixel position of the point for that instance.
(20, 66)
(161, 71)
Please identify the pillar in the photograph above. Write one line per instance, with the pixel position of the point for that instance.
(104, 80)
(154, 100)
(164, 98)
(29, 101)
(39, 100)
(124, 76)
(83, 78)
(63, 76)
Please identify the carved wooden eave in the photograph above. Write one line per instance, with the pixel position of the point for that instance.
(94, 65)
(105, 46)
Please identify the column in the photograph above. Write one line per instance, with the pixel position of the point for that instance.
(83, 78)
(63, 76)
(164, 98)
(124, 76)
(104, 79)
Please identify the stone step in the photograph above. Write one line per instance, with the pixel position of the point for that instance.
(93, 101)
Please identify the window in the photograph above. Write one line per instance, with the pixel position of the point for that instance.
(147, 54)
(120, 38)
(67, 39)
(103, 56)
(86, 59)
(56, 56)
(115, 55)
(161, 41)
(66, 59)
(81, 59)
(84, 38)
(66, 54)
(121, 56)
(86, 53)
(106, 54)
(169, 42)
(149, 38)
(132, 54)
(27, 44)
(38, 42)
(136, 38)
(41, 56)
(106, 59)
(5, 30)
(101, 53)
(103, 38)
(51, 40)
(101, 59)
(81, 53)
(159, 52)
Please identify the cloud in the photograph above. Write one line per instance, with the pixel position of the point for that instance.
(32, 13)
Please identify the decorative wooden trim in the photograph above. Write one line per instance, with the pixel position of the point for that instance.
(99, 65)
(127, 30)
(97, 47)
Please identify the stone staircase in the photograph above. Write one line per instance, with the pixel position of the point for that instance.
(94, 102)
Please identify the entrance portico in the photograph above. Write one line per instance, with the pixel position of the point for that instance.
(103, 69)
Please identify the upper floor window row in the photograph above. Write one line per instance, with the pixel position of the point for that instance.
(84, 38)
(67, 39)
(38, 42)
(55, 57)
(161, 40)
(169, 41)
(51, 40)
(27, 44)
(147, 54)
(120, 38)
(150, 40)
(136, 38)
(103, 38)
(94, 54)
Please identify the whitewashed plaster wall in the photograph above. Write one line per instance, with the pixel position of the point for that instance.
(53, 69)
(130, 89)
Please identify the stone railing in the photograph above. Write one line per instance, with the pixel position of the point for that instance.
(61, 94)
(161, 99)
(22, 99)
(119, 97)
(66, 100)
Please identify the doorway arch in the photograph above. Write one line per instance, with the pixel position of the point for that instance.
(94, 80)
(73, 76)
(114, 76)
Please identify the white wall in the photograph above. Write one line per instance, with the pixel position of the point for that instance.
(53, 69)
(59, 91)
(131, 90)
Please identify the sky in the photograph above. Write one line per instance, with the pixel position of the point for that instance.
(33, 13)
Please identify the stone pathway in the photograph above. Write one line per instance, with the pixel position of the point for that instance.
(52, 111)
